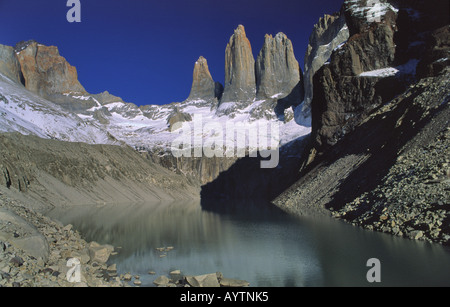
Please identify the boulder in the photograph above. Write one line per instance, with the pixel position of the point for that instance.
(30, 240)
(162, 281)
(416, 235)
(100, 253)
(203, 281)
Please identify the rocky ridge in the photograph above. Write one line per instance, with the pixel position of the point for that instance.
(377, 156)
(342, 97)
(45, 72)
(55, 173)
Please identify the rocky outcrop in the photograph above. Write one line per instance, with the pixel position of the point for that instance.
(362, 14)
(379, 128)
(386, 37)
(203, 85)
(45, 72)
(240, 83)
(342, 98)
(9, 65)
(177, 117)
(328, 34)
(106, 98)
(278, 73)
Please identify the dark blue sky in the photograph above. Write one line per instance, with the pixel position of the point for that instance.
(144, 51)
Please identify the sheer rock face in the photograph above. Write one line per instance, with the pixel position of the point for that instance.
(328, 34)
(9, 65)
(278, 73)
(240, 83)
(342, 98)
(203, 85)
(384, 35)
(45, 72)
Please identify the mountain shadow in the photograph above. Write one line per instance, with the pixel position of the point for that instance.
(245, 181)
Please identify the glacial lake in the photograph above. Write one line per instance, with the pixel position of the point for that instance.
(254, 242)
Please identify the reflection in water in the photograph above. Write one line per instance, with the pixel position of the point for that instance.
(256, 242)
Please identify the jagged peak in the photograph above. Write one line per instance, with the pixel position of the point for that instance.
(280, 36)
(22, 45)
(240, 30)
(201, 60)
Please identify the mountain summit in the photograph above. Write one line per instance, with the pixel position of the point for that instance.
(240, 83)
(203, 85)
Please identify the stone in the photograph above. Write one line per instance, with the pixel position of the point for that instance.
(416, 234)
(201, 281)
(162, 281)
(68, 227)
(127, 277)
(175, 272)
(137, 282)
(100, 253)
(16, 261)
(112, 268)
(240, 80)
(82, 255)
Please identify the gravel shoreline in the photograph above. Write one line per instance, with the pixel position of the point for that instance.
(20, 269)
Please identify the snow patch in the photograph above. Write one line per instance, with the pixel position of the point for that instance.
(408, 68)
(374, 11)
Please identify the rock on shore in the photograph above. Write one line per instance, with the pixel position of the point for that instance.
(23, 265)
